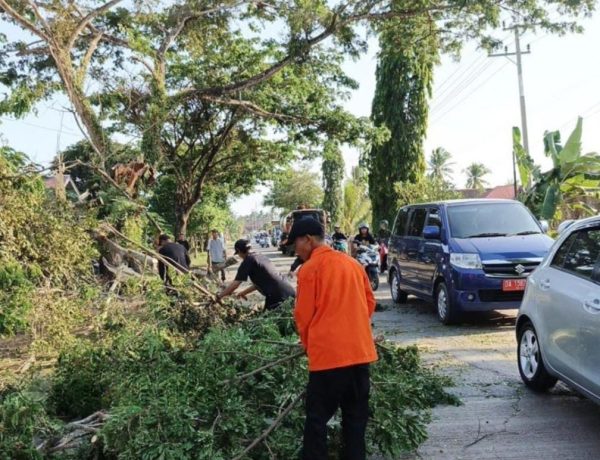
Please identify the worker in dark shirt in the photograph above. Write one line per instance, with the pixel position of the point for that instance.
(182, 241)
(175, 253)
(263, 275)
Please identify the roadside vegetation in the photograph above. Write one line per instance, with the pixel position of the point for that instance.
(102, 366)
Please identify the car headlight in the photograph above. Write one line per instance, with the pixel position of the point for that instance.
(463, 260)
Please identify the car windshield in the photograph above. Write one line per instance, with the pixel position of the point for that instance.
(481, 220)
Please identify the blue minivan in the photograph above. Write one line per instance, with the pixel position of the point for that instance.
(465, 255)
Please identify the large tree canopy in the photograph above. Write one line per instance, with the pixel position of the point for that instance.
(294, 187)
(207, 84)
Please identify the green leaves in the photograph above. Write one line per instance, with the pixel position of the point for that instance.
(569, 189)
(572, 149)
(409, 52)
(333, 176)
(524, 161)
(551, 201)
(293, 187)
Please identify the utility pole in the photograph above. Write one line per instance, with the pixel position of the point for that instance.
(518, 53)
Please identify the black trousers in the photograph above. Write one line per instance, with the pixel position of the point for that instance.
(348, 389)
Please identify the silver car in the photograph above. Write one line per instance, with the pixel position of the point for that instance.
(558, 327)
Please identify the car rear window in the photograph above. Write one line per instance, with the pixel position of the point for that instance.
(490, 219)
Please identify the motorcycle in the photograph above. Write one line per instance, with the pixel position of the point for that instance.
(368, 257)
(340, 245)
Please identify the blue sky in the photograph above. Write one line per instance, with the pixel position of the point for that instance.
(474, 107)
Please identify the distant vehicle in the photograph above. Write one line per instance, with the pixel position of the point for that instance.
(368, 256)
(465, 255)
(558, 327)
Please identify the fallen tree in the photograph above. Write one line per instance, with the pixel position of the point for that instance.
(231, 391)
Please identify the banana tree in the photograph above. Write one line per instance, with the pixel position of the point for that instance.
(573, 182)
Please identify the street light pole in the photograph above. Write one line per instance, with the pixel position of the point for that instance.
(521, 90)
(518, 53)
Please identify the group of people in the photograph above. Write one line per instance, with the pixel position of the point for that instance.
(333, 308)
(334, 303)
(177, 253)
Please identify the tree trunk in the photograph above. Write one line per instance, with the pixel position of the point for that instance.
(182, 217)
(94, 130)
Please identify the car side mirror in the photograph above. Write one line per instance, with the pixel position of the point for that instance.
(545, 226)
(431, 232)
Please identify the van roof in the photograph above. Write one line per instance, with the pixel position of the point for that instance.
(464, 201)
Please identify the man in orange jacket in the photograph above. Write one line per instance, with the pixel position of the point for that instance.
(334, 304)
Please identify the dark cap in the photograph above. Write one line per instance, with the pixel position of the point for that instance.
(305, 226)
(241, 246)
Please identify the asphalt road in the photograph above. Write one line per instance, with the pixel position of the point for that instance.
(499, 418)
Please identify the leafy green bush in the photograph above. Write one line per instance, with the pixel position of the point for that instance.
(15, 297)
(42, 243)
(173, 399)
(23, 418)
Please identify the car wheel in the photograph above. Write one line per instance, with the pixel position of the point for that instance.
(531, 364)
(446, 311)
(398, 295)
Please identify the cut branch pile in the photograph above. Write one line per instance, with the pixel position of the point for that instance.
(75, 434)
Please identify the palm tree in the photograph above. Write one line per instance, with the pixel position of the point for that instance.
(439, 165)
(475, 175)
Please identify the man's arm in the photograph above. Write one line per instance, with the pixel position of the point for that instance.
(296, 264)
(229, 289)
(368, 293)
(247, 291)
(305, 305)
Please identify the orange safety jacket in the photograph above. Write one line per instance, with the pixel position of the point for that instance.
(334, 304)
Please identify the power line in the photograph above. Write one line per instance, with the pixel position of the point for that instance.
(458, 68)
(439, 91)
(68, 132)
(460, 77)
(474, 90)
(462, 86)
(584, 114)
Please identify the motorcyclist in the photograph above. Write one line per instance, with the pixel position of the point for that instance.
(363, 237)
(384, 233)
(383, 237)
(339, 240)
(337, 234)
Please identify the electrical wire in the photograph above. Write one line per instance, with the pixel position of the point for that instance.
(464, 85)
(474, 90)
(65, 131)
